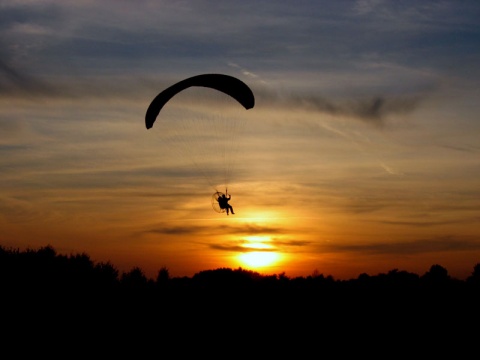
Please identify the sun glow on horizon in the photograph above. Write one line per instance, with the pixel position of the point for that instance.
(258, 259)
(261, 253)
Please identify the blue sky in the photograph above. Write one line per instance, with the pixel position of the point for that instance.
(360, 155)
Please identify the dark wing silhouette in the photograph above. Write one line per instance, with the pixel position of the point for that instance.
(224, 83)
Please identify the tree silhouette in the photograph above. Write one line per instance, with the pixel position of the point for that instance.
(436, 275)
(74, 297)
(475, 277)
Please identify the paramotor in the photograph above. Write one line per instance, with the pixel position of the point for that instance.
(207, 135)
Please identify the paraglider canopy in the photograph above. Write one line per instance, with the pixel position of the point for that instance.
(224, 83)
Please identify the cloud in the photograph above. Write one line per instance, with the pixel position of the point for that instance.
(245, 245)
(176, 230)
(217, 230)
(374, 110)
(236, 248)
(10, 128)
(292, 243)
(466, 148)
(440, 244)
(433, 223)
(13, 81)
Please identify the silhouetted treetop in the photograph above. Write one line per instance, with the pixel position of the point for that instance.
(46, 270)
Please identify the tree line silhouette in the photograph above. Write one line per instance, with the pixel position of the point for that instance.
(71, 292)
(44, 270)
(44, 267)
(49, 300)
(39, 282)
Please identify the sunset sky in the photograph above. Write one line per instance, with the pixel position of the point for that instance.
(361, 154)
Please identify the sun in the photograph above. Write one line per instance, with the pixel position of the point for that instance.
(258, 259)
(259, 252)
